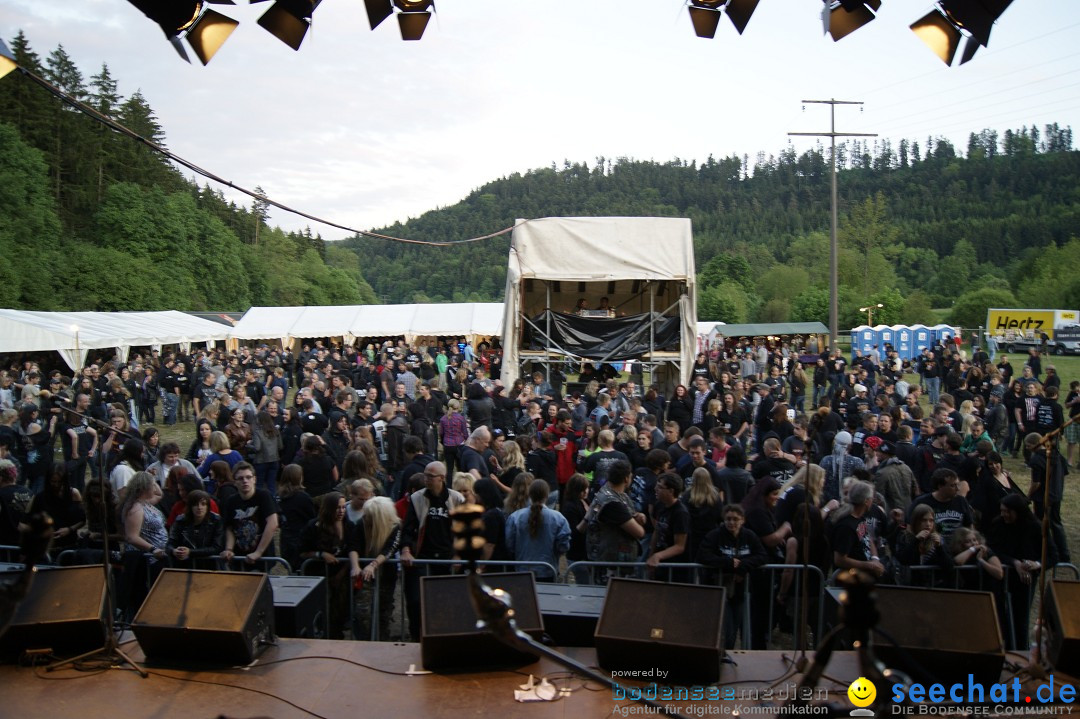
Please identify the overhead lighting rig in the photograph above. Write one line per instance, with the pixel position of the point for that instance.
(205, 30)
(843, 17)
(955, 22)
(413, 15)
(705, 15)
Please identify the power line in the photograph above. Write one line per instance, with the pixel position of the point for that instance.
(834, 311)
(127, 132)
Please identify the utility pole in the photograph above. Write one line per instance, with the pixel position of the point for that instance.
(834, 287)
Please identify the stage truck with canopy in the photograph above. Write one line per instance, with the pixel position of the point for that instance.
(601, 289)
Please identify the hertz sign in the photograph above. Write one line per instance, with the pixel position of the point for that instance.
(1027, 323)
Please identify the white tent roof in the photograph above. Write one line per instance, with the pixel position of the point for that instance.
(260, 323)
(31, 331)
(587, 249)
(596, 249)
(415, 320)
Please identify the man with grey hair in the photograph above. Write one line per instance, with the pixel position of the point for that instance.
(854, 544)
(471, 454)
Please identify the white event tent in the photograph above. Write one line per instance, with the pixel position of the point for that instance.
(73, 333)
(465, 319)
(641, 264)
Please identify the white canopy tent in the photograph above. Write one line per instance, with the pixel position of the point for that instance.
(73, 333)
(466, 319)
(643, 263)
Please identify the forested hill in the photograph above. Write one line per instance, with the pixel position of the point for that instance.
(92, 220)
(922, 224)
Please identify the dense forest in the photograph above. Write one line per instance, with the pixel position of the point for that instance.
(921, 226)
(90, 219)
(93, 220)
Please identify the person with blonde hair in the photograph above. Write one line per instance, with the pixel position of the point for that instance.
(220, 450)
(380, 532)
(705, 504)
(512, 464)
(463, 483)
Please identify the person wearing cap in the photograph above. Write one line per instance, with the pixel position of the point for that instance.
(894, 479)
(838, 465)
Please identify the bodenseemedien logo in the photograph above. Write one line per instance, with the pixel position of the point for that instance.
(862, 694)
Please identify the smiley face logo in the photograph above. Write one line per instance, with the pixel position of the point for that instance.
(862, 692)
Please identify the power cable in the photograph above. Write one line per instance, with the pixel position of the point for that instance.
(123, 130)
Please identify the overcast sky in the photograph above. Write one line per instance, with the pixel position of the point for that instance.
(364, 129)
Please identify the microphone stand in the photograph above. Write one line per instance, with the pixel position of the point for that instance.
(1048, 445)
(494, 611)
(110, 650)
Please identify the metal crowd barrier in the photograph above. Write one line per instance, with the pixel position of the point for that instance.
(798, 570)
(635, 570)
(454, 564)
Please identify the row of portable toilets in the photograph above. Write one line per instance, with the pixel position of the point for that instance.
(908, 340)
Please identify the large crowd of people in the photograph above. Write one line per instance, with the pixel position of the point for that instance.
(355, 457)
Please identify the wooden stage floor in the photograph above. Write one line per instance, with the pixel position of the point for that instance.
(349, 680)
(346, 680)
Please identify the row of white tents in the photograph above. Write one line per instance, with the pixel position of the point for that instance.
(74, 334)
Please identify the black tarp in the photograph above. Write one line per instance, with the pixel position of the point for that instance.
(600, 337)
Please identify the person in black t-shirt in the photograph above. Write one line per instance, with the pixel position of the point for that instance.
(950, 509)
(773, 463)
(671, 535)
(854, 544)
(251, 518)
(14, 502)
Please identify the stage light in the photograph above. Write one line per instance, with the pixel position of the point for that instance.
(843, 17)
(377, 11)
(289, 20)
(413, 15)
(954, 22)
(7, 59)
(739, 12)
(705, 14)
(204, 29)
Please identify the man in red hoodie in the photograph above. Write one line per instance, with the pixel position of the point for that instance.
(566, 446)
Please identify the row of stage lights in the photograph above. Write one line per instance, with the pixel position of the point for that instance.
(943, 29)
(950, 24)
(206, 30)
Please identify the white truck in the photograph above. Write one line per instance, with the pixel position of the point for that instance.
(1023, 329)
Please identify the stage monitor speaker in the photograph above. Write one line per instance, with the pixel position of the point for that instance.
(672, 631)
(222, 618)
(300, 607)
(64, 611)
(946, 633)
(449, 638)
(571, 612)
(1063, 626)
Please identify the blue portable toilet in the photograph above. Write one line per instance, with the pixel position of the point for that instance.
(921, 338)
(884, 335)
(903, 344)
(942, 333)
(862, 339)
